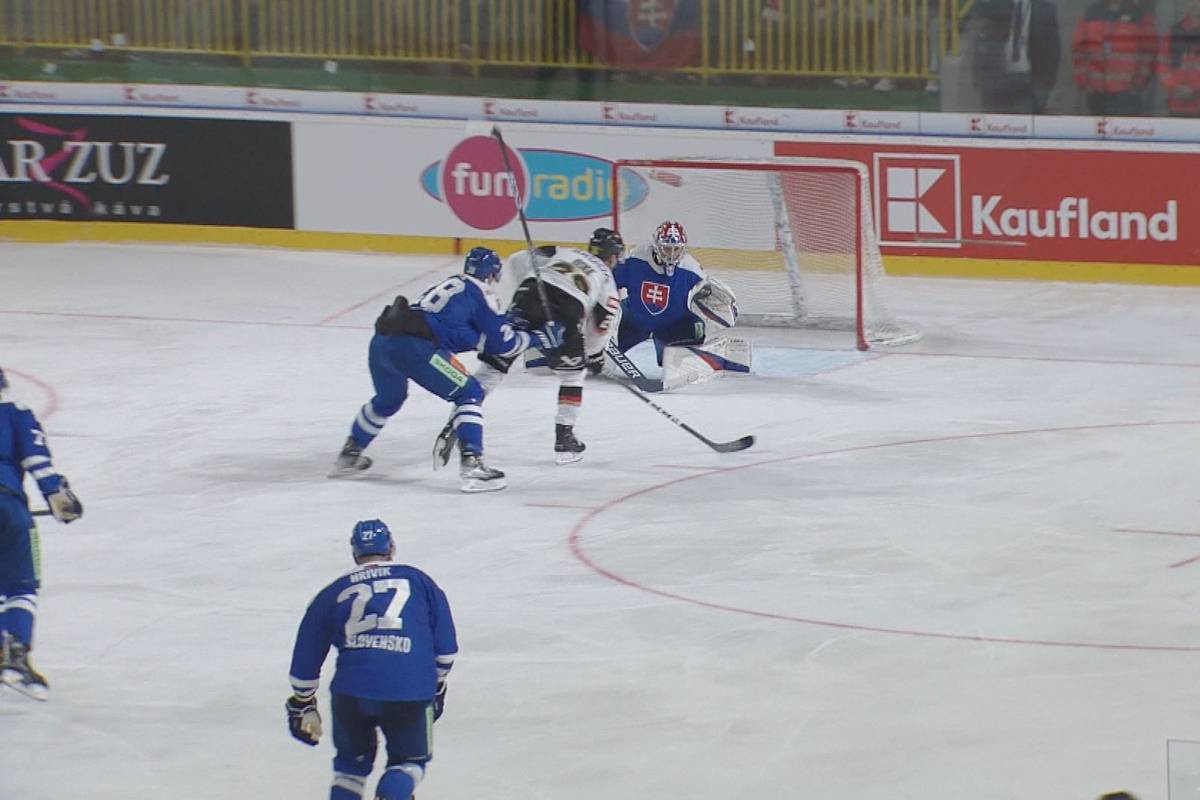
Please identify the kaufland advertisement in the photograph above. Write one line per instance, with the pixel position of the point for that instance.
(1021, 203)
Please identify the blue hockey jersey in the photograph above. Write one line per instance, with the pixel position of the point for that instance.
(653, 300)
(464, 314)
(23, 449)
(393, 630)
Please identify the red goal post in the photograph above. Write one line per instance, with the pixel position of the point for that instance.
(793, 237)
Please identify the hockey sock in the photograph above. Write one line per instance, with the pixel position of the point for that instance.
(17, 616)
(570, 398)
(468, 424)
(347, 786)
(367, 425)
(399, 782)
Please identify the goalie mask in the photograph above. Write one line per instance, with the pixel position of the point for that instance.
(670, 245)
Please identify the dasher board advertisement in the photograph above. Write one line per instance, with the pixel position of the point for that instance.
(103, 168)
(1028, 203)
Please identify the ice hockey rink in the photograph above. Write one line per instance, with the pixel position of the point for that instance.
(966, 568)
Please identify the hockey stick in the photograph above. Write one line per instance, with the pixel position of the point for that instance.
(721, 447)
(41, 512)
(631, 371)
(520, 203)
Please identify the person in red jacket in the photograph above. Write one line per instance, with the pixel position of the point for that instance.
(1115, 50)
(1181, 64)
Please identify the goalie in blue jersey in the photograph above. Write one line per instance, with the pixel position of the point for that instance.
(668, 297)
(418, 343)
(396, 643)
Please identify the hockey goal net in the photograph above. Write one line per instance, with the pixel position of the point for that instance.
(794, 238)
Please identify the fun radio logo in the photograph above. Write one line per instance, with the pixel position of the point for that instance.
(556, 185)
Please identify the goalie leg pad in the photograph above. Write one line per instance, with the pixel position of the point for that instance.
(698, 363)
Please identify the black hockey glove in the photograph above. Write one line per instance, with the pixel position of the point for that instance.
(64, 505)
(304, 721)
(439, 700)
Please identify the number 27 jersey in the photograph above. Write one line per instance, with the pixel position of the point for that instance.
(393, 630)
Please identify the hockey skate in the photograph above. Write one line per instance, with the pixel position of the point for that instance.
(350, 461)
(443, 446)
(478, 477)
(566, 446)
(18, 673)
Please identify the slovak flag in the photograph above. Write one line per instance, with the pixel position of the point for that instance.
(655, 297)
(641, 34)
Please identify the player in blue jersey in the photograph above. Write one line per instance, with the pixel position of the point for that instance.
(418, 342)
(668, 297)
(23, 449)
(396, 644)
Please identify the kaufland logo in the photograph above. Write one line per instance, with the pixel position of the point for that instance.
(256, 98)
(732, 118)
(133, 94)
(379, 105)
(917, 200)
(617, 114)
(493, 108)
(851, 119)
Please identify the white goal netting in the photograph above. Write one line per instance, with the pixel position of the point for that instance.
(794, 238)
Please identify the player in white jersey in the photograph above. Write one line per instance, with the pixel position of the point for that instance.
(582, 296)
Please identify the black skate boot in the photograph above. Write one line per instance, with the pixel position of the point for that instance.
(17, 673)
(477, 476)
(568, 448)
(350, 460)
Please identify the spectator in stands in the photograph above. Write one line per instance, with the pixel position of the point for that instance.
(1180, 64)
(1016, 53)
(1115, 49)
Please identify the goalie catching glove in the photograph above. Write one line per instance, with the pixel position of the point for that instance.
(304, 721)
(714, 302)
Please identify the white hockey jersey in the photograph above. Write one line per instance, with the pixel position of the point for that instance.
(581, 276)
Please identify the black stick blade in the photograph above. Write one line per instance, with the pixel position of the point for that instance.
(743, 443)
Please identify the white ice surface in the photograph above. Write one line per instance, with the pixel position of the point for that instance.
(960, 570)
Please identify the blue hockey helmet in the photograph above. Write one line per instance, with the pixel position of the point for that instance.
(482, 263)
(371, 537)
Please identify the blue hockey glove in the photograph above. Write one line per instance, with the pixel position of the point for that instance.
(439, 700)
(550, 336)
(304, 721)
(64, 505)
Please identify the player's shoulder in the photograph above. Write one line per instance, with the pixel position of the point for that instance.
(689, 264)
(640, 254)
